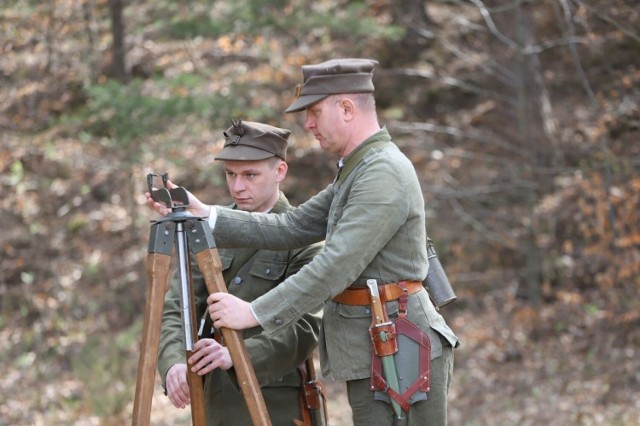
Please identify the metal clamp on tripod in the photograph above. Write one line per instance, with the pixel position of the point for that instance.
(187, 233)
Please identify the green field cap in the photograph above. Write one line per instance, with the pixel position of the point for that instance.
(349, 75)
(249, 141)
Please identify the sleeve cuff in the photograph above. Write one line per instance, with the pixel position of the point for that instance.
(254, 314)
(213, 215)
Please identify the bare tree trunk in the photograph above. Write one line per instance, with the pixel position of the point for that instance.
(50, 35)
(118, 63)
(88, 8)
(412, 15)
(530, 134)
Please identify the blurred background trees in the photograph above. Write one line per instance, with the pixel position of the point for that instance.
(520, 117)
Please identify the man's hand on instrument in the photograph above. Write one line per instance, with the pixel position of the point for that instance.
(229, 311)
(196, 207)
(208, 355)
(177, 386)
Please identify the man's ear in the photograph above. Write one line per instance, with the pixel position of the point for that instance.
(281, 171)
(348, 108)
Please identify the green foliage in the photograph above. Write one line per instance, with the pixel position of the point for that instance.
(16, 178)
(591, 309)
(287, 18)
(93, 271)
(77, 223)
(359, 23)
(27, 277)
(120, 116)
(125, 112)
(195, 26)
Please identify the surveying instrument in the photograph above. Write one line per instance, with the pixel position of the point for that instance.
(189, 234)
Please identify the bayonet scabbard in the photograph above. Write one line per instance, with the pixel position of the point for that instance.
(383, 339)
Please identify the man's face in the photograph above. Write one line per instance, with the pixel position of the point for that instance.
(324, 120)
(254, 184)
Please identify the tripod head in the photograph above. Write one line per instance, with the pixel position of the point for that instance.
(175, 199)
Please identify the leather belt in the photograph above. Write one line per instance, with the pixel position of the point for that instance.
(388, 292)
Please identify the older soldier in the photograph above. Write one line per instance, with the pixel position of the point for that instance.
(254, 162)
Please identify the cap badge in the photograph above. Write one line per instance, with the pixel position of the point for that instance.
(238, 132)
(237, 127)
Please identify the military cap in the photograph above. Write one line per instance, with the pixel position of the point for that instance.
(250, 141)
(349, 75)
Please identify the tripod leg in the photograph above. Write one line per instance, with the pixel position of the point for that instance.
(211, 268)
(157, 279)
(196, 388)
(187, 302)
(196, 392)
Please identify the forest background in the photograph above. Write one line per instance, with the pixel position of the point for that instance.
(521, 118)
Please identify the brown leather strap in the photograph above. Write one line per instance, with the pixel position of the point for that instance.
(218, 337)
(312, 397)
(388, 293)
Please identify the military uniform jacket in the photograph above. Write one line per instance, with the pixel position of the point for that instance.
(373, 224)
(248, 274)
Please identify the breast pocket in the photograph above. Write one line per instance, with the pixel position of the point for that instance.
(268, 270)
(257, 279)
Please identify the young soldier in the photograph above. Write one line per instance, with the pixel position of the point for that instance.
(254, 162)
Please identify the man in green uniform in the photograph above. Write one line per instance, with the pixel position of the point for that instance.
(372, 218)
(254, 162)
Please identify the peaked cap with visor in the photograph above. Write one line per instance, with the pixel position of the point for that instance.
(250, 141)
(350, 75)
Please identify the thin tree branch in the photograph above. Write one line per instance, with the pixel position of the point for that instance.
(478, 226)
(566, 10)
(629, 33)
(477, 136)
(484, 11)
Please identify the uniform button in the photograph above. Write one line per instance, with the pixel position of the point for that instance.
(367, 311)
(277, 321)
(237, 280)
(268, 271)
(281, 379)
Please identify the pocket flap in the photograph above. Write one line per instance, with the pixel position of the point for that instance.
(268, 270)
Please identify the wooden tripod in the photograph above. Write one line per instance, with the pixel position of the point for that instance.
(187, 232)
